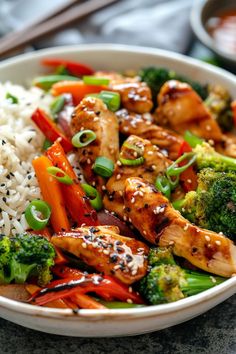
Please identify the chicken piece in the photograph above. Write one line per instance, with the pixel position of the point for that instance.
(159, 223)
(180, 108)
(143, 126)
(154, 163)
(93, 114)
(108, 252)
(135, 95)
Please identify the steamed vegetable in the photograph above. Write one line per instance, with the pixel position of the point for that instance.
(24, 256)
(168, 282)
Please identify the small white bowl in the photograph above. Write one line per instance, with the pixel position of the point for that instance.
(120, 322)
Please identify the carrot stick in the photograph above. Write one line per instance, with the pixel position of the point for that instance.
(86, 302)
(51, 193)
(78, 89)
(75, 199)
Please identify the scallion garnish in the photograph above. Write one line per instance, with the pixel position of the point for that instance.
(33, 212)
(192, 139)
(57, 105)
(111, 99)
(175, 170)
(46, 82)
(129, 162)
(103, 167)
(95, 80)
(163, 185)
(94, 196)
(13, 99)
(59, 174)
(83, 138)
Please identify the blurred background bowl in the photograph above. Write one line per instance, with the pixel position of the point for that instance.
(202, 11)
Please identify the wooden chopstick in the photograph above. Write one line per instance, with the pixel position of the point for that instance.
(40, 19)
(66, 18)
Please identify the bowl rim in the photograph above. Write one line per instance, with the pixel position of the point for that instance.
(201, 32)
(153, 310)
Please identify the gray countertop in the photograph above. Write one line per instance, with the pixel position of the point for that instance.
(212, 333)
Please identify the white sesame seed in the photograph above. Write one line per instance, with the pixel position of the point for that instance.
(141, 194)
(130, 289)
(171, 243)
(136, 193)
(207, 238)
(93, 183)
(132, 200)
(83, 225)
(117, 267)
(220, 233)
(150, 152)
(126, 129)
(208, 128)
(88, 161)
(186, 227)
(106, 252)
(119, 163)
(218, 242)
(154, 167)
(129, 301)
(130, 220)
(213, 279)
(118, 176)
(103, 188)
(144, 232)
(121, 193)
(84, 245)
(125, 218)
(189, 180)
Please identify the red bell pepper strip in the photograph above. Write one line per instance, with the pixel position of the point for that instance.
(105, 286)
(51, 131)
(75, 198)
(188, 178)
(74, 68)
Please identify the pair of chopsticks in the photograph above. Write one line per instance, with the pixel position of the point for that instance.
(62, 17)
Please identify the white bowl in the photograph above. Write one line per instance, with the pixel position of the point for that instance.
(104, 323)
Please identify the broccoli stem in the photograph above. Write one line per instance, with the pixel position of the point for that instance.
(197, 282)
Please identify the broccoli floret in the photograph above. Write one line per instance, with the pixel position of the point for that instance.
(156, 77)
(23, 256)
(218, 102)
(160, 255)
(206, 156)
(213, 204)
(167, 283)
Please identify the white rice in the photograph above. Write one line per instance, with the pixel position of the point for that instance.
(20, 143)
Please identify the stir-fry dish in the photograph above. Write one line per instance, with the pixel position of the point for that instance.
(118, 189)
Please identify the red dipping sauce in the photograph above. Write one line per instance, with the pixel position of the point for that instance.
(222, 28)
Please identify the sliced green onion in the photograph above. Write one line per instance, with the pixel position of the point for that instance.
(128, 162)
(103, 167)
(174, 169)
(33, 211)
(163, 185)
(133, 147)
(14, 99)
(57, 105)
(83, 138)
(192, 139)
(111, 99)
(59, 174)
(47, 143)
(173, 181)
(95, 80)
(94, 196)
(46, 82)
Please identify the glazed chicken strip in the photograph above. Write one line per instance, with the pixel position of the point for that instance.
(108, 252)
(159, 223)
(93, 114)
(154, 163)
(135, 95)
(180, 108)
(142, 125)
